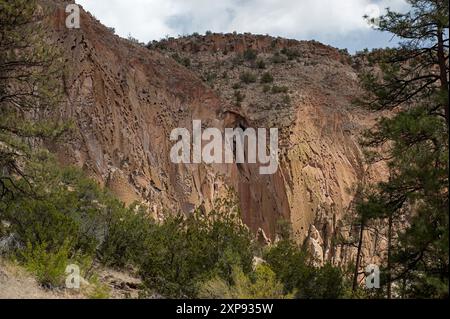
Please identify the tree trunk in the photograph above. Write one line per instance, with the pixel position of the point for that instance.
(358, 257)
(443, 70)
(389, 276)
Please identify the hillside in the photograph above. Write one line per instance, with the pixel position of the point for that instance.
(125, 99)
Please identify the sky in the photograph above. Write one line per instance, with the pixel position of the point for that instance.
(338, 23)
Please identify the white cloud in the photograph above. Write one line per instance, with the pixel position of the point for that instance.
(324, 20)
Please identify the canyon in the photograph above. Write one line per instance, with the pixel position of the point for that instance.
(125, 99)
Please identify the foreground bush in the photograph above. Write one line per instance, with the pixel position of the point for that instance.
(47, 265)
(67, 219)
(260, 284)
(127, 234)
(293, 267)
(183, 252)
(61, 220)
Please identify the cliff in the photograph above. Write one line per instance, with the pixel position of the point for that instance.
(126, 98)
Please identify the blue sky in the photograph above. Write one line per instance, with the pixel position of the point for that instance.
(335, 22)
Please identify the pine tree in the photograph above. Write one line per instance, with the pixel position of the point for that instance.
(29, 88)
(412, 80)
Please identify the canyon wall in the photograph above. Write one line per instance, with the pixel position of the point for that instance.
(126, 98)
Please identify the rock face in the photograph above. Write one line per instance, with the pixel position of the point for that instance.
(305, 89)
(125, 100)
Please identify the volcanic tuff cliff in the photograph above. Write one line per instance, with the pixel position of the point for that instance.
(125, 100)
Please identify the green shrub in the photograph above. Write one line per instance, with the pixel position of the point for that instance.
(97, 289)
(47, 265)
(279, 89)
(247, 77)
(71, 220)
(66, 206)
(260, 64)
(236, 60)
(250, 55)
(286, 100)
(66, 219)
(210, 77)
(290, 53)
(186, 251)
(40, 222)
(239, 97)
(328, 283)
(216, 288)
(266, 78)
(128, 232)
(176, 57)
(278, 58)
(266, 88)
(294, 269)
(260, 284)
(133, 39)
(236, 86)
(264, 284)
